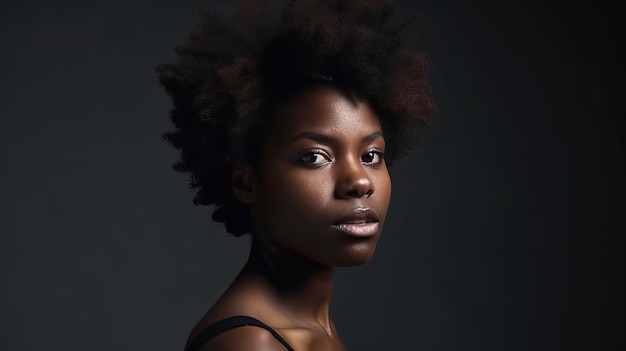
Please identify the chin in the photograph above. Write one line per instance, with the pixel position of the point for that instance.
(354, 262)
(356, 256)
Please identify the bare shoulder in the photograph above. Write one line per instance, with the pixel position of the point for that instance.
(244, 338)
(245, 297)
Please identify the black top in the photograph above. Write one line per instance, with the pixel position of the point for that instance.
(229, 323)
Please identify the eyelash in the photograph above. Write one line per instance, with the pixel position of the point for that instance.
(319, 152)
(380, 153)
(322, 153)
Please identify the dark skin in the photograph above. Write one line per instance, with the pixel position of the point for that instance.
(319, 167)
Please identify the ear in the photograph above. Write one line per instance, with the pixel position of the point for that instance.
(244, 184)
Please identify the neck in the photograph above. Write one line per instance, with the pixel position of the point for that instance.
(305, 287)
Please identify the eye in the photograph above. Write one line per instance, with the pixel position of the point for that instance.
(315, 158)
(372, 157)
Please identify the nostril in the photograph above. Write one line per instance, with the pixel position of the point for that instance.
(352, 193)
(359, 193)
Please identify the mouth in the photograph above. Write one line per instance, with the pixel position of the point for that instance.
(361, 222)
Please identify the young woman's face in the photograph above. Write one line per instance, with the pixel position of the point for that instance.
(322, 187)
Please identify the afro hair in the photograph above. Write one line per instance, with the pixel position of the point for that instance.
(230, 72)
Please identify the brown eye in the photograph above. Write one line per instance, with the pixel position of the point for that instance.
(315, 158)
(372, 157)
(310, 158)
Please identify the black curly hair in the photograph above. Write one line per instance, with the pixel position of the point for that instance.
(231, 73)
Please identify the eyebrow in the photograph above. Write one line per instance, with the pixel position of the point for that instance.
(321, 138)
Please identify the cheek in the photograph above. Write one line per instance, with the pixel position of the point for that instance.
(384, 184)
(293, 212)
(315, 190)
(290, 197)
(382, 181)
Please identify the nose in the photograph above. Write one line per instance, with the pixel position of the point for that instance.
(353, 181)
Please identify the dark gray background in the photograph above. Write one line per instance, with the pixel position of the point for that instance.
(506, 226)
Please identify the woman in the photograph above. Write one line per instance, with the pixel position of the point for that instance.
(287, 124)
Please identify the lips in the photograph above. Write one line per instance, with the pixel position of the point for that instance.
(362, 222)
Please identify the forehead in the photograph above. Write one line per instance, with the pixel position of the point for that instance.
(325, 109)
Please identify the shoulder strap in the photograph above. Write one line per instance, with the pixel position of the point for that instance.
(228, 324)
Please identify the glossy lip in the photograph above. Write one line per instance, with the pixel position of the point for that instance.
(362, 222)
